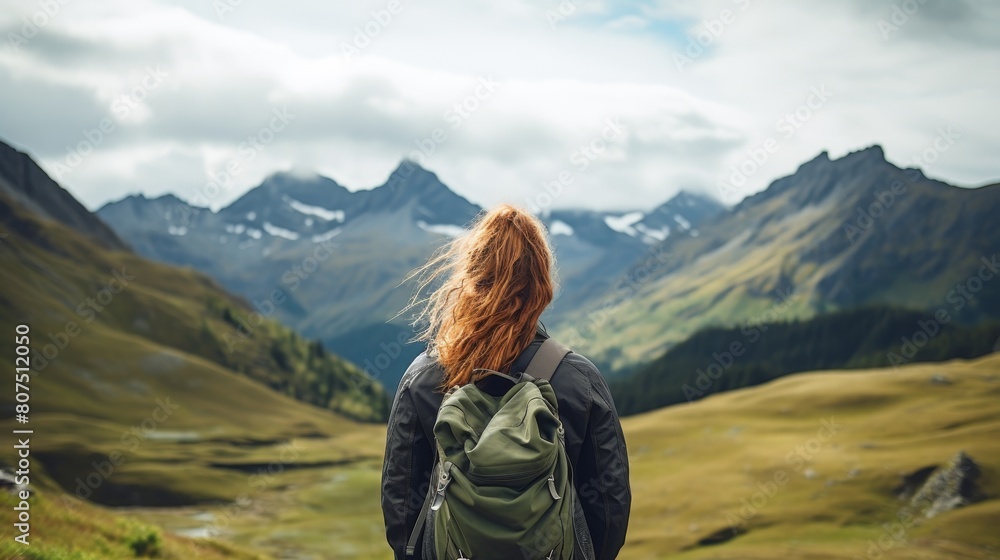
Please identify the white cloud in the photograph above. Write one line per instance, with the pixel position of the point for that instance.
(355, 120)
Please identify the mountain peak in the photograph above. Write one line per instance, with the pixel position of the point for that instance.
(413, 176)
(284, 179)
(26, 184)
(873, 152)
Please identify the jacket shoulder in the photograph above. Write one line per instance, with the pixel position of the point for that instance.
(424, 371)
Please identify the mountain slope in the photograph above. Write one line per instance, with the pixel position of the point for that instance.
(337, 257)
(22, 181)
(834, 235)
(118, 342)
(723, 359)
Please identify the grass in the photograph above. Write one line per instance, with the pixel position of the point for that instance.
(259, 470)
(63, 529)
(692, 465)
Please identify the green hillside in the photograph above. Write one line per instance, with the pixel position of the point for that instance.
(835, 235)
(65, 530)
(695, 466)
(692, 467)
(722, 359)
(86, 305)
(167, 344)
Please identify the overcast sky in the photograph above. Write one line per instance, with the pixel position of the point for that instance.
(180, 86)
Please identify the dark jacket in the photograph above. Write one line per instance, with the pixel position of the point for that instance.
(594, 442)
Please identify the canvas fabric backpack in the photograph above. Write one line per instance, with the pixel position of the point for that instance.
(502, 484)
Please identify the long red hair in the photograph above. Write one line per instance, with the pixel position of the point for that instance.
(489, 288)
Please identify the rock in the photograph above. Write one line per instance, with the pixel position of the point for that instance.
(949, 487)
(940, 379)
(810, 474)
(8, 482)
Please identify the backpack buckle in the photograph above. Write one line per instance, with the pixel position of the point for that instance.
(443, 480)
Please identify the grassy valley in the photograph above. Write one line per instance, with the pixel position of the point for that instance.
(694, 464)
(843, 442)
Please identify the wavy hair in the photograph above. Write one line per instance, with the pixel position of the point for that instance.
(488, 289)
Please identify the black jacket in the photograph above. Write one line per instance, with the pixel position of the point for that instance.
(594, 442)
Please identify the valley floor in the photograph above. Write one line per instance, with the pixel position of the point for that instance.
(805, 467)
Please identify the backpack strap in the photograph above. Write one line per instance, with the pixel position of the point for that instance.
(547, 359)
(418, 528)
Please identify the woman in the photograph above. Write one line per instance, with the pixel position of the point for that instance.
(495, 282)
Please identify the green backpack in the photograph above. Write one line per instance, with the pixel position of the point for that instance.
(502, 485)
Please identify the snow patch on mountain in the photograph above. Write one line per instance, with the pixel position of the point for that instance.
(623, 224)
(255, 233)
(442, 229)
(280, 232)
(651, 235)
(318, 211)
(178, 231)
(560, 227)
(326, 236)
(682, 222)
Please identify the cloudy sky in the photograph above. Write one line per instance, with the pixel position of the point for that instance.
(629, 101)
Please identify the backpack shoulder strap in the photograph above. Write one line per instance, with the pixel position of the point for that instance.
(547, 359)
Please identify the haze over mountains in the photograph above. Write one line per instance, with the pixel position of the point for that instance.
(257, 414)
(834, 235)
(340, 256)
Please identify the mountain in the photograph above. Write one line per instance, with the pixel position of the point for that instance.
(719, 359)
(594, 249)
(835, 235)
(337, 257)
(114, 337)
(26, 184)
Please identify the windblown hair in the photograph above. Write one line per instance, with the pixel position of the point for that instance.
(489, 288)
